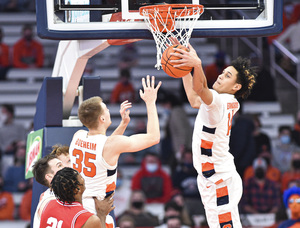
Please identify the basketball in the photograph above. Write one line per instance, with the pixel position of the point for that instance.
(167, 66)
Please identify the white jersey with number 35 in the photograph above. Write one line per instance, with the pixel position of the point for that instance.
(86, 157)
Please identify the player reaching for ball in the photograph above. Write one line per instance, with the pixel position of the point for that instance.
(219, 184)
(95, 155)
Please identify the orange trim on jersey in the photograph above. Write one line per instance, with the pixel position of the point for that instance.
(110, 187)
(109, 225)
(206, 144)
(224, 218)
(222, 192)
(219, 182)
(207, 166)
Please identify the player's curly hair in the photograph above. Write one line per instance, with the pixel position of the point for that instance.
(58, 150)
(65, 185)
(246, 76)
(89, 111)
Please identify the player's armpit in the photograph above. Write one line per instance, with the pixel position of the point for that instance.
(43, 204)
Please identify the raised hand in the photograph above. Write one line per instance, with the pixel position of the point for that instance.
(150, 91)
(174, 40)
(187, 58)
(103, 207)
(124, 111)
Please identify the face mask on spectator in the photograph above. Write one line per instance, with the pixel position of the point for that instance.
(137, 204)
(285, 139)
(260, 173)
(296, 163)
(151, 167)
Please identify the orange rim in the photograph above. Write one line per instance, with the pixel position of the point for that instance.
(165, 11)
(175, 9)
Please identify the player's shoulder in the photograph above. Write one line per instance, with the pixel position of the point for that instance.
(93, 221)
(79, 132)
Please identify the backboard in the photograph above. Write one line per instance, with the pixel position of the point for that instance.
(120, 19)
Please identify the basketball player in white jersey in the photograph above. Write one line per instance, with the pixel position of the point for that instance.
(219, 184)
(95, 155)
(44, 170)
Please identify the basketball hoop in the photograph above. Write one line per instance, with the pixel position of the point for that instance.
(170, 20)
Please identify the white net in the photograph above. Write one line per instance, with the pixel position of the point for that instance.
(164, 22)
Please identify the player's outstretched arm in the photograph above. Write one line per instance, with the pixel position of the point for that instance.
(124, 112)
(117, 144)
(187, 80)
(191, 59)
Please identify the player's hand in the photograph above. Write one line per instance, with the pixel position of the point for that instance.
(124, 111)
(187, 58)
(150, 91)
(174, 40)
(103, 207)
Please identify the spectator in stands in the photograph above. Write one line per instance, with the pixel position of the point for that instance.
(184, 177)
(152, 180)
(291, 198)
(10, 134)
(171, 210)
(124, 89)
(289, 38)
(7, 205)
(14, 178)
(213, 70)
(261, 195)
(242, 142)
(185, 216)
(293, 174)
(28, 52)
(178, 127)
(172, 222)
(25, 206)
(272, 173)
(282, 150)
(291, 14)
(17, 5)
(138, 212)
(264, 88)
(4, 57)
(128, 56)
(121, 194)
(126, 222)
(296, 130)
(262, 140)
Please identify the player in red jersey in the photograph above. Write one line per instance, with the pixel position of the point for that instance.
(67, 210)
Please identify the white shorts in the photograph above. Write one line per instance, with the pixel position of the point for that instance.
(89, 204)
(221, 201)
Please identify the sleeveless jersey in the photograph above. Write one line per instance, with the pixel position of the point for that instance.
(46, 195)
(212, 129)
(86, 157)
(64, 215)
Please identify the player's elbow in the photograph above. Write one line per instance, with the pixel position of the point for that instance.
(155, 139)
